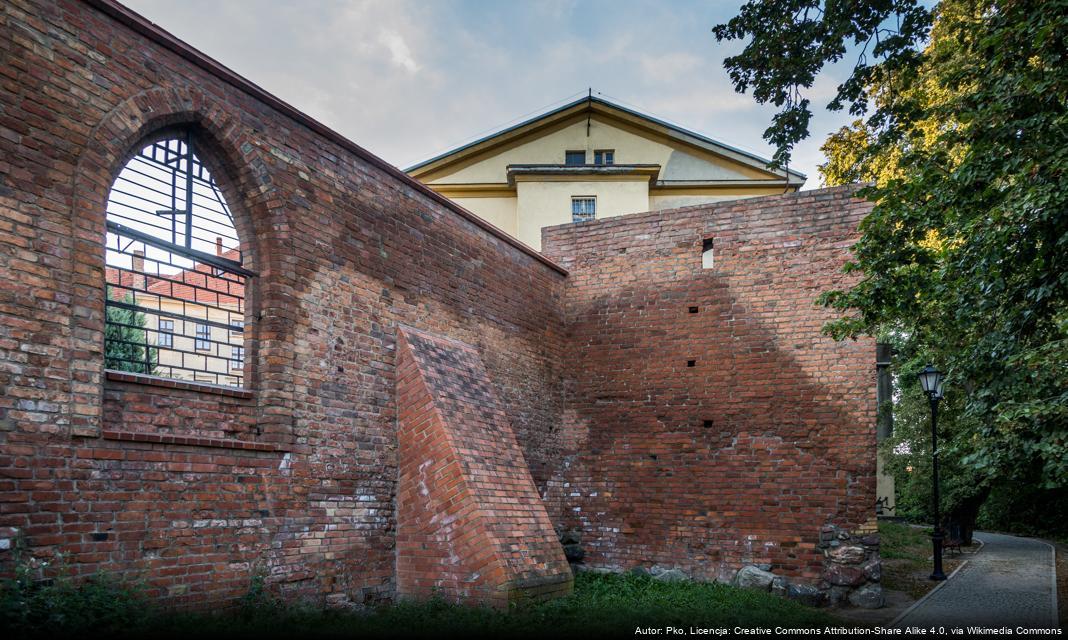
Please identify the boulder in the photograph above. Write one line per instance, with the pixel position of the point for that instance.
(805, 594)
(640, 571)
(751, 577)
(672, 575)
(779, 586)
(837, 595)
(847, 554)
(870, 541)
(873, 569)
(844, 575)
(870, 596)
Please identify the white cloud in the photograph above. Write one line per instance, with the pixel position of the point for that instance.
(405, 78)
(398, 50)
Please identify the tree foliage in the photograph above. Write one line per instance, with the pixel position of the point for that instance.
(962, 131)
(125, 341)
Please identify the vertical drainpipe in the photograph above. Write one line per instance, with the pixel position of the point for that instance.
(883, 393)
(886, 499)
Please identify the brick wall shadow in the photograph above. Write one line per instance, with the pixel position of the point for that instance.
(712, 439)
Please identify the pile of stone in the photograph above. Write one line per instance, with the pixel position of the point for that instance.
(852, 571)
(852, 574)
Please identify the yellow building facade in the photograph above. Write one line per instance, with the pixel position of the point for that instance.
(593, 159)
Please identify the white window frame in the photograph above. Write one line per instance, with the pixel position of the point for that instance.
(582, 214)
(574, 151)
(201, 343)
(601, 155)
(165, 335)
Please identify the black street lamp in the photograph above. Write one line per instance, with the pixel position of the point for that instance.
(931, 381)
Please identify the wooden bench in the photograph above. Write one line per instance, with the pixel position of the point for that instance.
(953, 543)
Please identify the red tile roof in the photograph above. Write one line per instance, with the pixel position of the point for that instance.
(199, 284)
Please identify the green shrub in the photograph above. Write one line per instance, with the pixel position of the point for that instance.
(101, 603)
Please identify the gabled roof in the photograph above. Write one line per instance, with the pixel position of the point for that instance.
(594, 104)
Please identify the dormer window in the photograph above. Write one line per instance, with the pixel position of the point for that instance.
(574, 158)
(604, 157)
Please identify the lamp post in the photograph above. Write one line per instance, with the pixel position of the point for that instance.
(931, 381)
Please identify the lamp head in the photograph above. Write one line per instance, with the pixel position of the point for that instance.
(931, 381)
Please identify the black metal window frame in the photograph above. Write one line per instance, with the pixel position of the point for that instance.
(171, 269)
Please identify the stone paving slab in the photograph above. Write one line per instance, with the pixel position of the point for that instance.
(1010, 583)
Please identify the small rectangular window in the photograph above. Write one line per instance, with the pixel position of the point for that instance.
(237, 357)
(604, 157)
(166, 333)
(203, 338)
(237, 327)
(574, 158)
(707, 261)
(583, 208)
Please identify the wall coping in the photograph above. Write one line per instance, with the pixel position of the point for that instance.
(184, 385)
(165, 39)
(668, 214)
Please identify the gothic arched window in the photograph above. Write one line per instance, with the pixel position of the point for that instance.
(175, 299)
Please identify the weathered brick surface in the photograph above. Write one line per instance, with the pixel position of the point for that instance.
(345, 249)
(741, 457)
(470, 523)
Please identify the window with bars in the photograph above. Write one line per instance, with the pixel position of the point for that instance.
(583, 208)
(604, 157)
(175, 274)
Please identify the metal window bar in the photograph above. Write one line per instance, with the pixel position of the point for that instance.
(173, 265)
(583, 209)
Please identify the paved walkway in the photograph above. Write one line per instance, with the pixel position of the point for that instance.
(1007, 584)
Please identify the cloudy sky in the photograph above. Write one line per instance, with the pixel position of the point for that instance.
(408, 79)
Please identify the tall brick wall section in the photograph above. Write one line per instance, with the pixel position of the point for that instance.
(744, 457)
(296, 478)
(470, 523)
(724, 437)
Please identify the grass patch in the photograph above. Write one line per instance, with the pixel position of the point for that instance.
(906, 553)
(601, 605)
(900, 541)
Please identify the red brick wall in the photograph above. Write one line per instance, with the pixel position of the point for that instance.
(740, 458)
(470, 523)
(295, 479)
